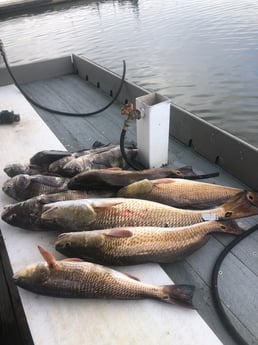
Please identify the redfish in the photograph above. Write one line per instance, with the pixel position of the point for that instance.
(27, 214)
(91, 214)
(73, 278)
(179, 192)
(135, 245)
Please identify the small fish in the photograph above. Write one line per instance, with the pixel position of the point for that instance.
(135, 245)
(118, 178)
(22, 187)
(179, 192)
(57, 166)
(120, 212)
(27, 214)
(76, 279)
(29, 169)
(98, 160)
(46, 157)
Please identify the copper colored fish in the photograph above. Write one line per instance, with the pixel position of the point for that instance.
(27, 214)
(179, 192)
(73, 278)
(88, 214)
(135, 245)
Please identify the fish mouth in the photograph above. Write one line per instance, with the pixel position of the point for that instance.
(6, 215)
(63, 242)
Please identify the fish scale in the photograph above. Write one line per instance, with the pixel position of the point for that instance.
(179, 192)
(88, 280)
(132, 245)
(135, 212)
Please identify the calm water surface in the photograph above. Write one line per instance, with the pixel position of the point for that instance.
(202, 54)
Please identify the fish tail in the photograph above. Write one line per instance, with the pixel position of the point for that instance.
(178, 294)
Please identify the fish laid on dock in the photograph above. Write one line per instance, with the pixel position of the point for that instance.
(52, 162)
(57, 166)
(22, 187)
(69, 278)
(27, 214)
(119, 178)
(135, 245)
(29, 169)
(94, 214)
(99, 160)
(179, 192)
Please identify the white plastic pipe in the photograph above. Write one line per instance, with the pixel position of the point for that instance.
(153, 129)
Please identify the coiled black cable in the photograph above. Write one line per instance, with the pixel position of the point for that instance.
(215, 292)
(59, 112)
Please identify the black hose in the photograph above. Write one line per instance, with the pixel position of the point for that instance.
(214, 287)
(32, 101)
(138, 166)
(124, 155)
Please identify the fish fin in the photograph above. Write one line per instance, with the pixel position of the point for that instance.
(210, 216)
(24, 180)
(137, 188)
(105, 203)
(132, 277)
(73, 260)
(178, 294)
(163, 181)
(119, 233)
(50, 259)
(114, 169)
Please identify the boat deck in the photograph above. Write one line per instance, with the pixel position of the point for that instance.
(239, 273)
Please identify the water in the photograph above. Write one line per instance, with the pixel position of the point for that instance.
(202, 54)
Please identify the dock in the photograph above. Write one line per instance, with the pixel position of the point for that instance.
(49, 320)
(16, 6)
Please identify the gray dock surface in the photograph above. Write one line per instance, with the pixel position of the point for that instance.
(238, 277)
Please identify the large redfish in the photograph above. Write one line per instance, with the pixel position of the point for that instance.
(87, 280)
(179, 192)
(135, 245)
(88, 214)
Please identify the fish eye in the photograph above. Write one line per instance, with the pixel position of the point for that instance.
(250, 196)
(67, 244)
(228, 214)
(223, 227)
